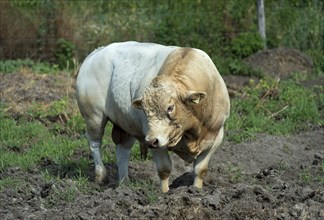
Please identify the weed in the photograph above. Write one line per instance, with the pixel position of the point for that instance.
(235, 173)
(287, 149)
(305, 176)
(148, 187)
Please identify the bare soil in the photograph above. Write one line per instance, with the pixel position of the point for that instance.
(271, 177)
(280, 62)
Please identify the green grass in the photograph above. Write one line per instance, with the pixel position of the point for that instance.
(22, 65)
(235, 173)
(61, 192)
(8, 182)
(25, 143)
(274, 107)
(309, 176)
(148, 186)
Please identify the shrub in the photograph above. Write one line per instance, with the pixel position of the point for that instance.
(246, 44)
(64, 54)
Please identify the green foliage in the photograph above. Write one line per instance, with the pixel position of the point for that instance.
(64, 54)
(273, 107)
(246, 44)
(13, 66)
(25, 3)
(297, 24)
(193, 28)
(318, 59)
(238, 67)
(10, 66)
(221, 28)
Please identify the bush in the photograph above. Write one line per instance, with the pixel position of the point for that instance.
(64, 54)
(246, 44)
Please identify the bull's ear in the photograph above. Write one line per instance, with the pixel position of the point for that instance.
(137, 103)
(195, 97)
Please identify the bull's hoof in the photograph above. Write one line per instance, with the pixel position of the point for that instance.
(198, 182)
(165, 185)
(101, 174)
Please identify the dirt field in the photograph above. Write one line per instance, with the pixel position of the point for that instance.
(251, 180)
(271, 177)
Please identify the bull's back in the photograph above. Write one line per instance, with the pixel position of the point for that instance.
(111, 77)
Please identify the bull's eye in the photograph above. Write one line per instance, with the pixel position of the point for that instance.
(170, 109)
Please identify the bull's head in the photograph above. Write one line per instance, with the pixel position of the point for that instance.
(169, 111)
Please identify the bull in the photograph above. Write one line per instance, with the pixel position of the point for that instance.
(168, 98)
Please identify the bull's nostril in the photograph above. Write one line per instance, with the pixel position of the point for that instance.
(155, 142)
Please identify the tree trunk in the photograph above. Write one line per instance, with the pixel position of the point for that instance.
(261, 21)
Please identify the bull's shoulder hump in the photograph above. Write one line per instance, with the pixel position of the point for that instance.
(133, 46)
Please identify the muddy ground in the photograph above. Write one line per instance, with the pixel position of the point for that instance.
(271, 177)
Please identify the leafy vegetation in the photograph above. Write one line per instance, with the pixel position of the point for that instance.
(64, 31)
(275, 107)
(246, 44)
(64, 54)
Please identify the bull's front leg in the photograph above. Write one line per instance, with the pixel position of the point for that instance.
(164, 166)
(201, 163)
(201, 168)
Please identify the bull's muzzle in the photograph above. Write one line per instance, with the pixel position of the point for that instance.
(152, 142)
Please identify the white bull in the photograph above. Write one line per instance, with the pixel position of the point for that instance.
(168, 98)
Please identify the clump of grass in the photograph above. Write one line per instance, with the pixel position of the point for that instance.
(235, 173)
(64, 190)
(25, 143)
(147, 186)
(61, 116)
(8, 182)
(274, 107)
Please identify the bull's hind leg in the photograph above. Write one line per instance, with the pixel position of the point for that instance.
(95, 130)
(124, 143)
(164, 166)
